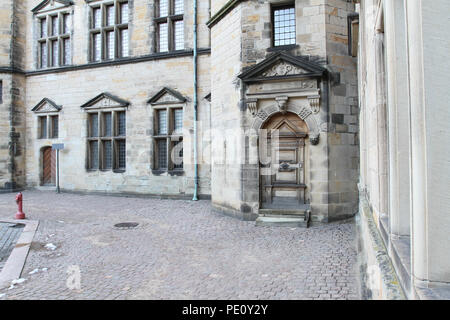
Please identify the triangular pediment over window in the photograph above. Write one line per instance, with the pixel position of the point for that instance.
(105, 100)
(167, 96)
(281, 65)
(48, 5)
(45, 106)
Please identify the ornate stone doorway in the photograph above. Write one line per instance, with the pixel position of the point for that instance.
(283, 174)
(48, 167)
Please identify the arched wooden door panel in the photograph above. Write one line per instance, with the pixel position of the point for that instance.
(285, 187)
(48, 167)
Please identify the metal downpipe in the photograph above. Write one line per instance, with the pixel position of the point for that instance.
(195, 197)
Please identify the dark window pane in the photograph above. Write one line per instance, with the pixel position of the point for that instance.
(55, 26)
(93, 149)
(163, 8)
(124, 42)
(107, 124)
(177, 155)
(97, 47)
(124, 13)
(94, 125)
(163, 37)
(110, 15)
(179, 6)
(97, 18)
(67, 56)
(55, 126)
(43, 28)
(179, 35)
(284, 26)
(110, 44)
(43, 55)
(107, 155)
(66, 23)
(178, 120)
(55, 53)
(43, 132)
(121, 124)
(162, 154)
(121, 149)
(162, 122)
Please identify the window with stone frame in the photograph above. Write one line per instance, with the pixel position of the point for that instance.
(54, 39)
(283, 21)
(108, 30)
(48, 127)
(168, 138)
(169, 25)
(106, 140)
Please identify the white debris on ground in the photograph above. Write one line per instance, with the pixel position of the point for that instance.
(34, 271)
(44, 269)
(50, 246)
(2, 295)
(18, 281)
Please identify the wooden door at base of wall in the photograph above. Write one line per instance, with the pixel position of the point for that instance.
(48, 167)
(283, 185)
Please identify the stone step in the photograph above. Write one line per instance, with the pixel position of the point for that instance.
(283, 221)
(282, 212)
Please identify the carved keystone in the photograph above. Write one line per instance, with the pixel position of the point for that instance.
(282, 103)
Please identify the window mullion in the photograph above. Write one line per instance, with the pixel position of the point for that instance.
(170, 37)
(113, 135)
(100, 143)
(169, 133)
(47, 129)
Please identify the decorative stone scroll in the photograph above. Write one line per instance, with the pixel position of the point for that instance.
(314, 103)
(282, 69)
(252, 106)
(304, 113)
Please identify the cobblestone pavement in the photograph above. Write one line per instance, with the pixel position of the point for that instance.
(9, 233)
(180, 250)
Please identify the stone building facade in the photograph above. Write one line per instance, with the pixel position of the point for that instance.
(251, 103)
(128, 86)
(404, 199)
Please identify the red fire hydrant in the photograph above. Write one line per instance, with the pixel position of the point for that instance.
(19, 200)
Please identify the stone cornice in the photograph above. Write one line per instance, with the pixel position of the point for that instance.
(222, 12)
(150, 57)
(12, 70)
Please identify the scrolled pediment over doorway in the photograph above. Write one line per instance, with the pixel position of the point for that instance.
(282, 65)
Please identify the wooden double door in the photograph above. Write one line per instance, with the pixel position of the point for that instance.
(283, 183)
(48, 167)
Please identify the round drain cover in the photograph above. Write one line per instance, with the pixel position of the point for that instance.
(126, 225)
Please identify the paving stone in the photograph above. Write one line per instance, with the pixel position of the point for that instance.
(180, 250)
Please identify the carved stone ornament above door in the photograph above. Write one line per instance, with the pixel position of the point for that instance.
(314, 103)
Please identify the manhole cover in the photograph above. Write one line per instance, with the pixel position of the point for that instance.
(126, 225)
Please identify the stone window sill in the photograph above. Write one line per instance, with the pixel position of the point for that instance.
(283, 48)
